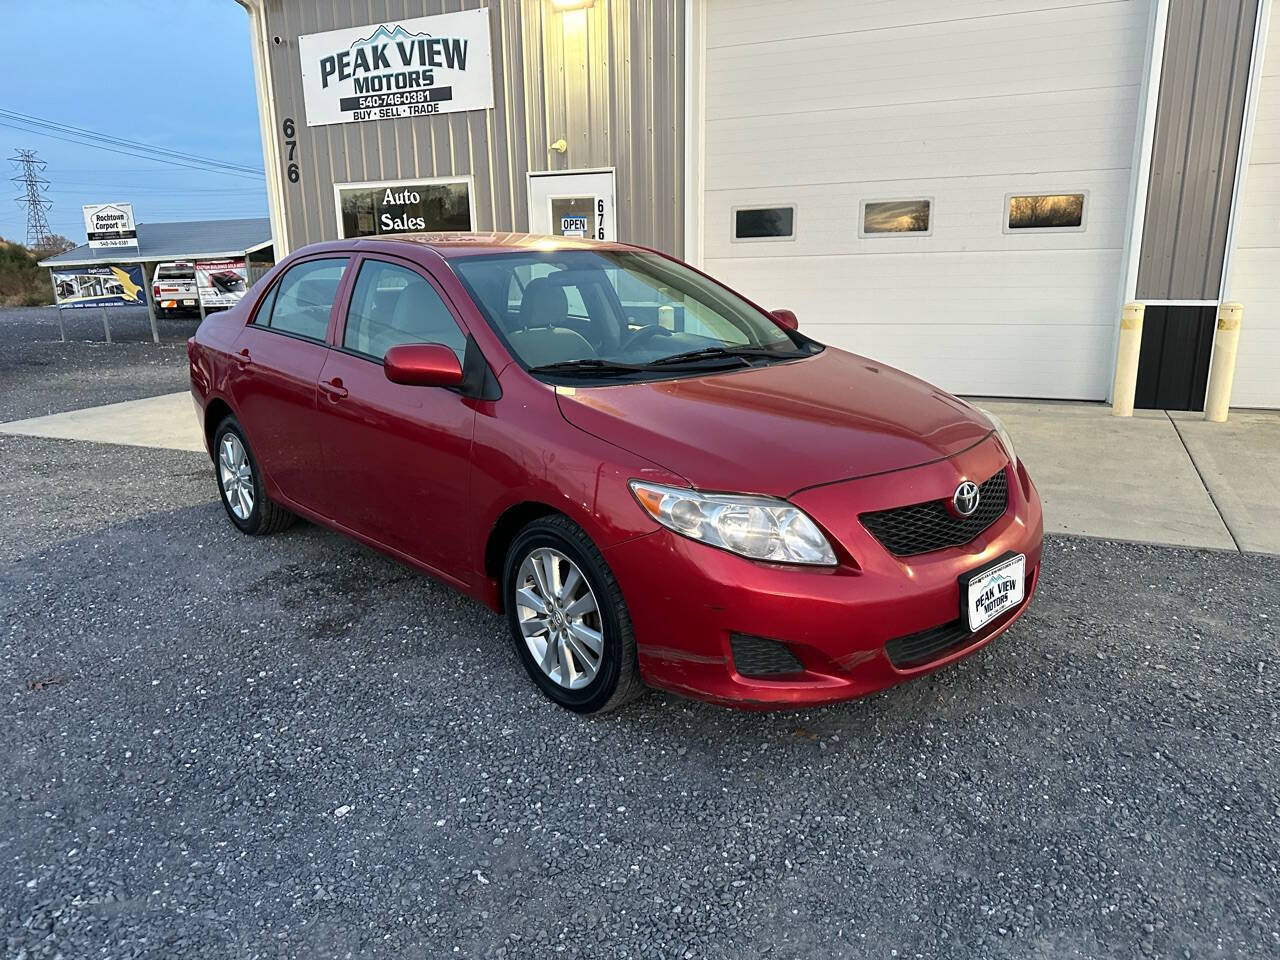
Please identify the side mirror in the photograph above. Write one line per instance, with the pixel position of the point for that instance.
(422, 365)
(786, 319)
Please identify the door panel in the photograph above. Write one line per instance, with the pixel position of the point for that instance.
(1173, 362)
(573, 204)
(399, 457)
(275, 394)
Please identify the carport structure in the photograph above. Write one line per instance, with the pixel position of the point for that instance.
(192, 241)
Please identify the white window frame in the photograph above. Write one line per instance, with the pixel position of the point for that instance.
(1014, 231)
(469, 180)
(766, 205)
(884, 234)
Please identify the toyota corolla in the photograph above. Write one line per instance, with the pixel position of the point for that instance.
(657, 481)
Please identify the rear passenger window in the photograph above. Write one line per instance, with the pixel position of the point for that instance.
(304, 297)
(393, 305)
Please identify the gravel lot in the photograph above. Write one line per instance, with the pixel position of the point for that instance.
(219, 746)
(39, 374)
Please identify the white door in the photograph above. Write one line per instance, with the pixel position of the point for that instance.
(572, 203)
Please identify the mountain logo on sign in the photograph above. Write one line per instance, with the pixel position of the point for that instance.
(383, 35)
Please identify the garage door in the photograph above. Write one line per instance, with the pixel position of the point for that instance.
(862, 161)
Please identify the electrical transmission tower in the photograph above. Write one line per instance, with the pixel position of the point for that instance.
(33, 185)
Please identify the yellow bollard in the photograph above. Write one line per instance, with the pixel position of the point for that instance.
(1127, 360)
(1222, 371)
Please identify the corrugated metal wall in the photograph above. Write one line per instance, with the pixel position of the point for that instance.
(1197, 138)
(609, 80)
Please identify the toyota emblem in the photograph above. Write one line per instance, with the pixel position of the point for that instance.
(965, 500)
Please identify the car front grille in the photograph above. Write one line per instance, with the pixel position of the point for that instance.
(923, 527)
(918, 649)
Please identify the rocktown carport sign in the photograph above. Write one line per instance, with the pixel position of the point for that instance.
(405, 68)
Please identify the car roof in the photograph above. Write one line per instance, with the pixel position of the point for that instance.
(450, 245)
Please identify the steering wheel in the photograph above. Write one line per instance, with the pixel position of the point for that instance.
(644, 335)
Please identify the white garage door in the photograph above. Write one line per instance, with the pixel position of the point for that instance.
(1255, 276)
(826, 105)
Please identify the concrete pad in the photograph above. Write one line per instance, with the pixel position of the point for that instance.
(1240, 463)
(167, 421)
(1116, 477)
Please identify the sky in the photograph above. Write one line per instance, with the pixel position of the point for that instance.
(175, 74)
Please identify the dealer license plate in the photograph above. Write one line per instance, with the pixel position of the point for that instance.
(188, 303)
(993, 590)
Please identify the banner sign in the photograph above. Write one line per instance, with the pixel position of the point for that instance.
(110, 225)
(77, 287)
(221, 282)
(404, 68)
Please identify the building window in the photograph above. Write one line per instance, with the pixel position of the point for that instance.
(764, 223)
(404, 206)
(889, 217)
(1045, 211)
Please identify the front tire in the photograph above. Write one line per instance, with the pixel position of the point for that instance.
(240, 483)
(568, 620)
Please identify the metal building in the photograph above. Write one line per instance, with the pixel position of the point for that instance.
(967, 189)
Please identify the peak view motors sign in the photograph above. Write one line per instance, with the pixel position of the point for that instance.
(403, 68)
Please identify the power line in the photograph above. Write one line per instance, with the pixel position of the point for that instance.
(126, 153)
(127, 143)
(34, 186)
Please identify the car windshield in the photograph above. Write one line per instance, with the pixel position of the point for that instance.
(610, 313)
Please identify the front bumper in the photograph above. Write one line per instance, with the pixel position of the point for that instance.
(686, 599)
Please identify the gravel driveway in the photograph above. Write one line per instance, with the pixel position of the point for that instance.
(225, 747)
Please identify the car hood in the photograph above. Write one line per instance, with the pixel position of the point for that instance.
(780, 428)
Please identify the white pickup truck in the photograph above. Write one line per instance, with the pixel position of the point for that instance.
(174, 289)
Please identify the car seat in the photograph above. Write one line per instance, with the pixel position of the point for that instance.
(542, 336)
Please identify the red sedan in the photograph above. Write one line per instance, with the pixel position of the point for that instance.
(657, 481)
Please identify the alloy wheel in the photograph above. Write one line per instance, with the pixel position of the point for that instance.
(236, 475)
(559, 618)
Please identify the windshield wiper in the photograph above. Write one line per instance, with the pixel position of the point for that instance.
(716, 353)
(587, 364)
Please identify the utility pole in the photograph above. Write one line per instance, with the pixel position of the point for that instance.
(33, 186)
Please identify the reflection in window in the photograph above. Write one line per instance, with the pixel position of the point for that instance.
(1046, 211)
(757, 223)
(895, 216)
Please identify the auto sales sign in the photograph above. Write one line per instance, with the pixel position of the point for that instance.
(404, 68)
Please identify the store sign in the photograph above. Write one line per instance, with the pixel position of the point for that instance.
(77, 287)
(221, 283)
(110, 225)
(404, 68)
(370, 209)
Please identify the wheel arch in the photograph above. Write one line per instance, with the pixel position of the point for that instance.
(504, 530)
(215, 411)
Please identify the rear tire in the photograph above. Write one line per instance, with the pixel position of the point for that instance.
(579, 648)
(240, 484)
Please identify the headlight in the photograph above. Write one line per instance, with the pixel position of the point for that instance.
(761, 528)
(1005, 440)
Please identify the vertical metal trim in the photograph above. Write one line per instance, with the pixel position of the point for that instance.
(695, 101)
(1140, 176)
(1261, 29)
(267, 123)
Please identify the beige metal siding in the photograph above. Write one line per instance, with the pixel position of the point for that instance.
(1198, 120)
(609, 80)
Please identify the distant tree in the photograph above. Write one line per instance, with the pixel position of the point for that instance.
(54, 244)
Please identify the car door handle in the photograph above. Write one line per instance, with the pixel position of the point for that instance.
(334, 388)
(243, 357)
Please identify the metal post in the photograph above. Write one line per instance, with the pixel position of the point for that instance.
(62, 333)
(147, 281)
(1222, 371)
(1126, 384)
(106, 324)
